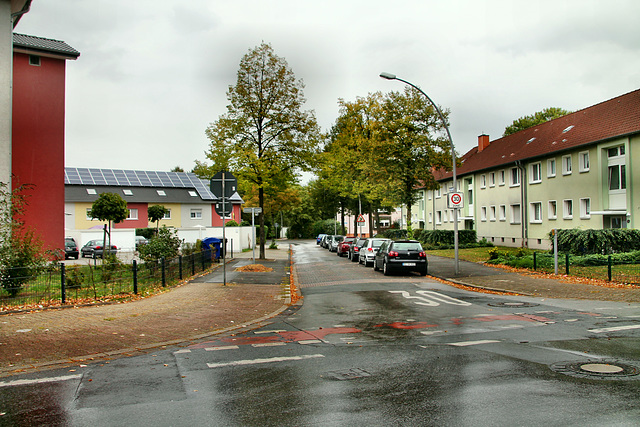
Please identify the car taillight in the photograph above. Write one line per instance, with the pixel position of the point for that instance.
(98, 247)
(114, 247)
(370, 249)
(422, 255)
(356, 249)
(393, 254)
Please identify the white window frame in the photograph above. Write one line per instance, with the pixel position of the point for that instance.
(535, 212)
(567, 209)
(483, 213)
(438, 192)
(195, 214)
(583, 161)
(503, 212)
(567, 165)
(552, 211)
(127, 192)
(483, 181)
(516, 213)
(492, 179)
(535, 176)
(167, 214)
(193, 193)
(92, 191)
(89, 217)
(514, 174)
(161, 193)
(133, 214)
(551, 168)
(492, 213)
(438, 217)
(501, 178)
(585, 208)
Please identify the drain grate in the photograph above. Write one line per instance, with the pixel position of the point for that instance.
(349, 374)
(601, 369)
(513, 304)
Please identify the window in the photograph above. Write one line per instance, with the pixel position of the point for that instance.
(566, 165)
(536, 173)
(430, 217)
(617, 177)
(501, 178)
(583, 161)
(89, 217)
(503, 212)
(196, 213)
(553, 209)
(439, 217)
(161, 193)
(193, 193)
(516, 216)
(536, 212)
(167, 214)
(127, 192)
(567, 212)
(438, 192)
(616, 151)
(515, 177)
(483, 213)
(492, 179)
(551, 168)
(492, 213)
(133, 214)
(91, 191)
(585, 208)
(34, 60)
(483, 181)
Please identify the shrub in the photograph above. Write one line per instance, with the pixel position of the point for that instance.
(164, 245)
(231, 223)
(606, 241)
(74, 277)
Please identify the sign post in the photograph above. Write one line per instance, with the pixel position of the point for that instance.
(223, 185)
(253, 212)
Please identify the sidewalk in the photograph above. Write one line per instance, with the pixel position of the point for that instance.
(201, 308)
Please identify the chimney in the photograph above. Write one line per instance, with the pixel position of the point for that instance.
(483, 142)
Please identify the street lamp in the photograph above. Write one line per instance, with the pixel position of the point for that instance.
(389, 76)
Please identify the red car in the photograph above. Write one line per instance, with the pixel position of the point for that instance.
(345, 246)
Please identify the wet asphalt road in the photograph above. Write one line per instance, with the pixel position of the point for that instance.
(366, 349)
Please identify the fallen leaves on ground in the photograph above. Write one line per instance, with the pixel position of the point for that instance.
(255, 268)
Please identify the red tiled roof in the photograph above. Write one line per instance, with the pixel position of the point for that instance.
(610, 119)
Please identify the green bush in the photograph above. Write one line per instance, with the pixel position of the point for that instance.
(164, 245)
(231, 223)
(605, 241)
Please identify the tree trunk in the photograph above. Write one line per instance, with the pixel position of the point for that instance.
(370, 225)
(261, 222)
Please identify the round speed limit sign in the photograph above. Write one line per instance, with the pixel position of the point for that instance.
(455, 200)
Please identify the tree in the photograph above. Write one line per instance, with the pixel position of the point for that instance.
(534, 119)
(156, 213)
(410, 148)
(177, 169)
(165, 244)
(265, 136)
(109, 207)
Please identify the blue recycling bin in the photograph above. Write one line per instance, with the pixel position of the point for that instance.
(213, 244)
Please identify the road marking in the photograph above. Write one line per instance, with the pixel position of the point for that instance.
(259, 361)
(182, 351)
(275, 331)
(430, 332)
(222, 347)
(614, 329)
(269, 344)
(309, 342)
(40, 380)
(467, 343)
(431, 298)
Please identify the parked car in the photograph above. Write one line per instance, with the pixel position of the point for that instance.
(401, 255)
(319, 238)
(344, 246)
(70, 248)
(95, 249)
(334, 242)
(141, 240)
(354, 251)
(368, 251)
(324, 242)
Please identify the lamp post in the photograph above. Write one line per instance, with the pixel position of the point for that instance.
(389, 76)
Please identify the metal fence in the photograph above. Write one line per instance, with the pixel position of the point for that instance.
(76, 284)
(608, 269)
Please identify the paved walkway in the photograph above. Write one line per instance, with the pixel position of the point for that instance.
(206, 307)
(201, 308)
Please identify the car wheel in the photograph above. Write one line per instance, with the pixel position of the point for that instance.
(385, 269)
(375, 266)
(359, 260)
(423, 272)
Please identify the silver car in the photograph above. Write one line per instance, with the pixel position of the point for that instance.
(367, 253)
(334, 242)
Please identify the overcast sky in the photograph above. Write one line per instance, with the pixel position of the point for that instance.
(153, 74)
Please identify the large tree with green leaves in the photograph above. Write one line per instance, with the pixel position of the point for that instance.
(534, 119)
(265, 137)
(109, 207)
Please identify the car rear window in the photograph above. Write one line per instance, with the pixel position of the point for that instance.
(338, 238)
(377, 243)
(409, 246)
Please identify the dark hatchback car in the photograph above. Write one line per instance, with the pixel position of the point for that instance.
(70, 248)
(401, 255)
(94, 249)
(354, 251)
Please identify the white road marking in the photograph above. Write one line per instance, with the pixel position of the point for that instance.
(431, 298)
(430, 332)
(467, 343)
(182, 351)
(222, 347)
(260, 361)
(614, 329)
(40, 380)
(309, 342)
(269, 344)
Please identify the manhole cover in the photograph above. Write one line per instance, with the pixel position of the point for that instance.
(513, 304)
(348, 374)
(598, 369)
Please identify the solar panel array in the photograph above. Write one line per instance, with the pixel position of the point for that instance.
(133, 178)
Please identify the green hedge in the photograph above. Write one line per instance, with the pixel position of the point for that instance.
(602, 242)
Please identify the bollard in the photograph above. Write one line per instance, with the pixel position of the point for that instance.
(193, 263)
(566, 263)
(164, 279)
(609, 267)
(180, 267)
(135, 277)
(535, 264)
(63, 281)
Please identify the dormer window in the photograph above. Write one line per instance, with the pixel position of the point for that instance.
(193, 193)
(127, 192)
(91, 191)
(161, 193)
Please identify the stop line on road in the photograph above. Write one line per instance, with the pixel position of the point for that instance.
(431, 298)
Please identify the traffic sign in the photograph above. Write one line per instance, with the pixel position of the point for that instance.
(360, 219)
(454, 200)
(223, 180)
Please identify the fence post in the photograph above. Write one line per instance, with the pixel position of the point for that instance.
(180, 266)
(164, 279)
(609, 267)
(193, 263)
(63, 282)
(566, 263)
(202, 259)
(535, 264)
(135, 277)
